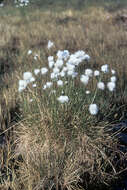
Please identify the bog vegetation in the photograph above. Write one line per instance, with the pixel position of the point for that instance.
(63, 87)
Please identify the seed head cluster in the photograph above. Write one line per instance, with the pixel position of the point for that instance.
(62, 69)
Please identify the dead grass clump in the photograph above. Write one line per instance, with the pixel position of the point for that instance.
(50, 163)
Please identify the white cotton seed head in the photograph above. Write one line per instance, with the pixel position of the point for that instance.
(86, 57)
(60, 83)
(36, 71)
(44, 70)
(84, 79)
(105, 68)
(32, 79)
(51, 64)
(65, 54)
(63, 99)
(50, 58)
(35, 57)
(62, 73)
(44, 86)
(59, 63)
(50, 44)
(73, 60)
(59, 54)
(113, 71)
(111, 86)
(70, 67)
(70, 73)
(93, 109)
(56, 70)
(49, 84)
(20, 89)
(64, 69)
(96, 73)
(88, 72)
(29, 52)
(22, 85)
(101, 85)
(34, 85)
(1, 4)
(27, 75)
(87, 92)
(79, 53)
(53, 76)
(113, 79)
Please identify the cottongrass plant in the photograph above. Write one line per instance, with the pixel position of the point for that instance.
(63, 137)
(64, 77)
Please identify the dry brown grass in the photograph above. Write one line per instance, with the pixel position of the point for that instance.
(51, 163)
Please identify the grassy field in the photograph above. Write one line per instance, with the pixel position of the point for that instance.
(49, 145)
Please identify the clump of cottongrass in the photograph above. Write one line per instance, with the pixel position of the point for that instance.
(65, 101)
(64, 66)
